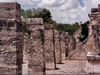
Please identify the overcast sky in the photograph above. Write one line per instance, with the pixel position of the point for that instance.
(63, 11)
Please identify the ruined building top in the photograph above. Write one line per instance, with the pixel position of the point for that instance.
(35, 21)
(95, 13)
(10, 11)
(47, 27)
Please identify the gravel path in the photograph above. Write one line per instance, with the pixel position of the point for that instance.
(69, 67)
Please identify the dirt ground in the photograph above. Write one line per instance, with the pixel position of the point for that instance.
(69, 67)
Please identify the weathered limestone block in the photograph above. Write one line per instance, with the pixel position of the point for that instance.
(97, 38)
(36, 21)
(93, 57)
(72, 43)
(66, 44)
(25, 56)
(34, 46)
(49, 47)
(57, 46)
(11, 48)
(9, 11)
(93, 67)
(11, 39)
(82, 49)
(93, 10)
(62, 42)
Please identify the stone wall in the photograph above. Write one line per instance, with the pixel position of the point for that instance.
(70, 45)
(91, 44)
(34, 46)
(82, 49)
(93, 67)
(11, 40)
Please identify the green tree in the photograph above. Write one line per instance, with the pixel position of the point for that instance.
(70, 28)
(84, 31)
(38, 13)
(22, 12)
(45, 14)
(28, 13)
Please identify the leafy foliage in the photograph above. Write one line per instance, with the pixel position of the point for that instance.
(84, 32)
(70, 28)
(38, 13)
(47, 18)
(24, 27)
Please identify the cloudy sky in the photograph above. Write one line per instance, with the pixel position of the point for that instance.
(63, 11)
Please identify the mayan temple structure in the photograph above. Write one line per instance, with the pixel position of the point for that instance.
(11, 39)
(93, 58)
(44, 50)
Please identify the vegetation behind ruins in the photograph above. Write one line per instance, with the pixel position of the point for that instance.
(47, 19)
(84, 31)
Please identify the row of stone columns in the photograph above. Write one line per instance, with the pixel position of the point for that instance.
(43, 46)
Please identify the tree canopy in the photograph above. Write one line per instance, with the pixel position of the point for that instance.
(38, 13)
(84, 31)
(70, 28)
(47, 19)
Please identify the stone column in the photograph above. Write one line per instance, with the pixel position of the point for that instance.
(66, 44)
(11, 39)
(97, 38)
(35, 46)
(62, 40)
(57, 46)
(49, 47)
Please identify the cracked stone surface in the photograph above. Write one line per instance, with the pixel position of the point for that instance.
(49, 47)
(11, 39)
(34, 46)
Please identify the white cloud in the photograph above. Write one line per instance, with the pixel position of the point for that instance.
(21, 1)
(64, 11)
(69, 11)
(51, 3)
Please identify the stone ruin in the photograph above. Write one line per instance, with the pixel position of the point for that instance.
(34, 46)
(91, 44)
(42, 47)
(34, 52)
(49, 50)
(11, 39)
(89, 50)
(94, 57)
(57, 45)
